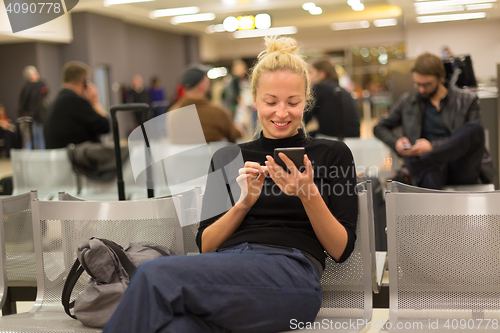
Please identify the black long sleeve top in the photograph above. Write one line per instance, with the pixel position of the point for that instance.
(276, 218)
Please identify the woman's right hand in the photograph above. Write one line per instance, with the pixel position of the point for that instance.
(251, 179)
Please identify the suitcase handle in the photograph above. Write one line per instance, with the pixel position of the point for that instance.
(144, 108)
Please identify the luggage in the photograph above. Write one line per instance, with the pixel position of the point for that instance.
(110, 268)
(136, 107)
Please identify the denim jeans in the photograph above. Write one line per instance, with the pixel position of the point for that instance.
(246, 288)
(38, 138)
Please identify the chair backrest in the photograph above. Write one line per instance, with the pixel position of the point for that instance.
(347, 286)
(398, 187)
(17, 255)
(46, 170)
(59, 227)
(371, 156)
(444, 257)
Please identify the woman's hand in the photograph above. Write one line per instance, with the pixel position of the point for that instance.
(295, 183)
(250, 179)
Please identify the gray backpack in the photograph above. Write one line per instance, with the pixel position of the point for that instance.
(110, 268)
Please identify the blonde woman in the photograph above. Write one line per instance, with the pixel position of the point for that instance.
(262, 258)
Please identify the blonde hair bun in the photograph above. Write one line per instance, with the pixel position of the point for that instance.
(283, 45)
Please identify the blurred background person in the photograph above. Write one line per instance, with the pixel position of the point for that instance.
(324, 77)
(76, 114)
(157, 97)
(33, 103)
(7, 132)
(137, 94)
(215, 121)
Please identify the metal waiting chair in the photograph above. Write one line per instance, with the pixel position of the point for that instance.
(17, 254)
(59, 227)
(444, 261)
(393, 186)
(47, 170)
(348, 286)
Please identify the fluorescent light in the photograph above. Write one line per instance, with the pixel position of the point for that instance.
(193, 18)
(174, 12)
(350, 25)
(119, 2)
(265, 32)
(308, 6)
(452, 17)
(353, 2)
(316, 11)
(385, 22)
(479, 6)
(231, 23)
(262, 21)
(217, 72)
(358, 7)
(435, 10)
(444, 3)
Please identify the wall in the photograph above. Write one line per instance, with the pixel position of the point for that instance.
(13, 59)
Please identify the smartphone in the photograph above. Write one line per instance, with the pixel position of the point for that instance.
(296, 154)
(406, 146)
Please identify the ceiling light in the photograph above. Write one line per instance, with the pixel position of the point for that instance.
(193, 18)
(231, 23)
(308, 6)
(353, 2)
(316, 11)
(217, 72)
(444, 3)
(358, 8)
(479, 6)
(119, 2)
(435, 10)
(174, 12)
(246, 22)
(229, 2)
(385, 22)
(452, 17)
(262, 21)
(350, 25)
(265, 32)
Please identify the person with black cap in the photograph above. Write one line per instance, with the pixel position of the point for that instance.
(215, 121)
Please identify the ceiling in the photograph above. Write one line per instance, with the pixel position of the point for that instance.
(282, 12)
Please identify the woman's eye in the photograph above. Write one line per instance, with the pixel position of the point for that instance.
(293, 104)
(271, 103)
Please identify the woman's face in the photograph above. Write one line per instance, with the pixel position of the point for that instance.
(280, 101)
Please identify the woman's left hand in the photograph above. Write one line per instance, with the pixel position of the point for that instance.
(296, 183)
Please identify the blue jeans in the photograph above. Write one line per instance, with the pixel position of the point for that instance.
(246, 288)
(455, 162)
(38, 138)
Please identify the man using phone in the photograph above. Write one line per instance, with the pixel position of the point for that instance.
(76, 114)
(443, 139)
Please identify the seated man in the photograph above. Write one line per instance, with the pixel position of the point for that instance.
(215, 121)
(76, 115)
(443, 139)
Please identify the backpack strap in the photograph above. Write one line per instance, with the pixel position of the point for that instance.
(122, 257)
(73, 276)
(157, 249)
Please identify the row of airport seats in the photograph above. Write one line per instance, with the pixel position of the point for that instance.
(57, 227)
(50, 171)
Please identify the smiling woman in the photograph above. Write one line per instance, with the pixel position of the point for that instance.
(263, 231)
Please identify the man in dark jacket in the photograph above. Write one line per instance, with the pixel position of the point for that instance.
(443, 139)
(76, 114)
(33, 103)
